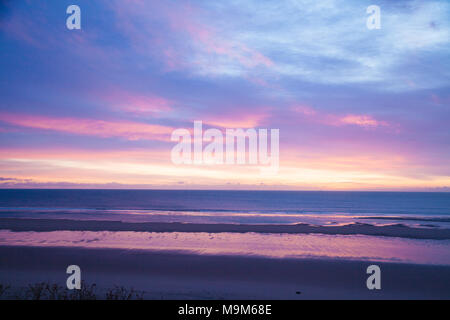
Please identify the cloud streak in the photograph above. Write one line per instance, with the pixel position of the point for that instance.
(100, 128)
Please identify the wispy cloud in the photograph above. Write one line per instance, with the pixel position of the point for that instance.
(136, 103)
(187, 38)
(328, 42)
(100, 128)
(361, 120)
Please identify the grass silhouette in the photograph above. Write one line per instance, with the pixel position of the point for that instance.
(48, 291)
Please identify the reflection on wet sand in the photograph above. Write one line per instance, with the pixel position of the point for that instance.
(270, 245)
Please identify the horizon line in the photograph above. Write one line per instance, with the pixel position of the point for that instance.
(245, 190)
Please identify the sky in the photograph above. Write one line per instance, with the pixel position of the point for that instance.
(356, 108)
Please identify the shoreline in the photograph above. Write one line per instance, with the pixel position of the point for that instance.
(47, 225)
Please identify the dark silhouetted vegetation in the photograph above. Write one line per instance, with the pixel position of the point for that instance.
(47, 291)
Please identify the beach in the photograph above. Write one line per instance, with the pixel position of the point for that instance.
(174, 275)
(225, 245)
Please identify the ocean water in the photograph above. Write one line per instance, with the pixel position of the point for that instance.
(422, 209)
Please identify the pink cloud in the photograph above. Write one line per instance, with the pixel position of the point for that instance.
(211, 42)
(359, 120)
(124, 129)
(243, 120)
(141, 104)
(63, 153)
(186, 22)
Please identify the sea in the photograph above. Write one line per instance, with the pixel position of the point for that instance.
(218, 206)
(417, 210)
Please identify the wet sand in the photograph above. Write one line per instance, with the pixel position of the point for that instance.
(174, 275)
(46, 225)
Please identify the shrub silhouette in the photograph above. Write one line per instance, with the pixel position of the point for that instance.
(3, 289)
(121, 293)
(48, 291)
